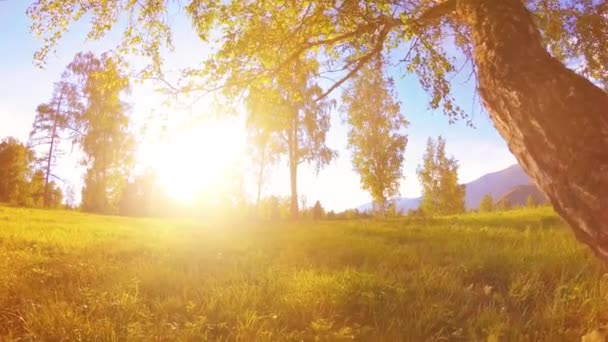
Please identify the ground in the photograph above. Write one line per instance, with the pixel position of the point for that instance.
(509, 276)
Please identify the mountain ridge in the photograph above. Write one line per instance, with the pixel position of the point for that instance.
(518, 196)
(497, 184)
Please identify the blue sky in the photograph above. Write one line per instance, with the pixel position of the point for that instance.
(24, 86)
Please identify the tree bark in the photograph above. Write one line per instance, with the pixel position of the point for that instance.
(260, 179)
(293, 166)
(554, 121)
(47, 194)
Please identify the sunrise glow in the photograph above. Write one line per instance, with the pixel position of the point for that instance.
(196, 160)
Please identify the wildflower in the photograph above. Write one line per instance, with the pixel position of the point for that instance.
(488, 290)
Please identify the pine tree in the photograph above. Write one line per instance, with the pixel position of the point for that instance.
(318, 212)
(54, 122)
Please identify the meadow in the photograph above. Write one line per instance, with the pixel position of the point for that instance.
(512, 276)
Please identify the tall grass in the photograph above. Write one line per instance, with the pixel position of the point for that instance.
(518, 275)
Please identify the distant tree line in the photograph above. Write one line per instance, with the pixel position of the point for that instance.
(21, 184)
(380, 168)
(487, 204)
(284, 120)
(86, 110)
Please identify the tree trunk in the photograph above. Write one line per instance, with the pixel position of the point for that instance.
(260, 179)
(47, 194)
(382, 207)
(555, 122)
(293, 166)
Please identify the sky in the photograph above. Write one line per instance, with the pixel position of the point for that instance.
(479, 151)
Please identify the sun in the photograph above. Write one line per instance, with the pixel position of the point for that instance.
(194, 160)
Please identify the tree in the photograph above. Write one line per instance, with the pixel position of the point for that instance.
(143, 197)
(264, 150)
(70, 196)
(275, 208)
(303, 203)
(286, 111)
(15, 172)
(37, 189)
(505, 204)
(552, 118)
(55, 196)
(392, 210)
(441, 193)
(105, 140)
(274, 211)
(487, 204)
(52, 121)
(352, 214)
(530, 202)
(375, 124)
(318, 212)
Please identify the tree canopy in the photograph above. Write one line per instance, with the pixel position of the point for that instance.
(286, 112)
(438, 174)
(258, 39)
(15, 171)
(487, 204)
(375, 133)
(105, 138)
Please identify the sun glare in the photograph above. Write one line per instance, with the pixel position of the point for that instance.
(195, 161)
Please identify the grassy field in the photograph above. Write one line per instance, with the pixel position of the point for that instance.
(505, 276)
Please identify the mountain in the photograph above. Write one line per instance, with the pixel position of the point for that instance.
(403, 204)
(518, 196)
(496, 183)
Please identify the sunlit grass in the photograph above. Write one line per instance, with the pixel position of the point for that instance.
(519, 275)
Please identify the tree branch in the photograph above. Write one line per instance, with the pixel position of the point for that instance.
(360, 64)
(368, 27)
(427, 17)
(385, 23)
(73, 130)
(437, 12)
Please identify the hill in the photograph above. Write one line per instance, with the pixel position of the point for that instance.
(403, 204)
(518, 196)
(496, 183)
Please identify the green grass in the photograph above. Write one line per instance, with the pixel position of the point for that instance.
(517, 276)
